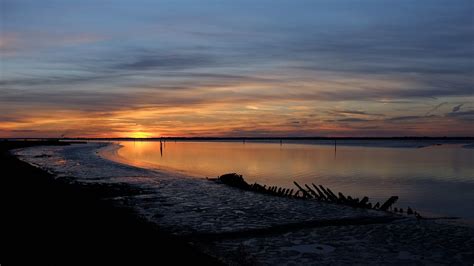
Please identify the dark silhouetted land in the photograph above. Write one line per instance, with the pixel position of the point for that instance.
(49, 222)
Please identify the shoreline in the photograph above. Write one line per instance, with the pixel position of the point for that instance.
(365, 182)
(221, 221)
(60, 221)
(110, 152)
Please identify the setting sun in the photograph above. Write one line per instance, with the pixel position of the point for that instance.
(140, 134)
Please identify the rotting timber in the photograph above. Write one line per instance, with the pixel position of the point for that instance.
(313, 192)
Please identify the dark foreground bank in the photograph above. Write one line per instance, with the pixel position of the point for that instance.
(54, 222)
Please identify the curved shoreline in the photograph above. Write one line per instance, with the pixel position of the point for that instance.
(196, 208)
(57, 220)
(110, 152)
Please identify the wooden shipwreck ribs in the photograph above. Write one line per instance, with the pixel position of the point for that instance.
(313, 192)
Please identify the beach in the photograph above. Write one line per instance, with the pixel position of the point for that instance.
(224, 224)
(55, 221)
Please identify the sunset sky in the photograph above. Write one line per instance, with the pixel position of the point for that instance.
(94, 68)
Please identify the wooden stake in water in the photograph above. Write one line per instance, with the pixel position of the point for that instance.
(161, 148)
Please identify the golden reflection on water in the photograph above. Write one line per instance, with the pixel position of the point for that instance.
(277, 163)
(411, 173)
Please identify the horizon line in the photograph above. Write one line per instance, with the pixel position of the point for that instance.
(240, 138)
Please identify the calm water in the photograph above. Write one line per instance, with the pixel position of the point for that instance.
(436, 179)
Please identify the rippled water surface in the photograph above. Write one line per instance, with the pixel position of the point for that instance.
(436, 179)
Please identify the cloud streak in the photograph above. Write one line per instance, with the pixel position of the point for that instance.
(323, 68)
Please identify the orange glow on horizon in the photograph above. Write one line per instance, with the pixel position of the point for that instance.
(139, 135)
(273, 117)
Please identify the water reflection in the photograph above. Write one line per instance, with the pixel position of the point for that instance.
(438, 179)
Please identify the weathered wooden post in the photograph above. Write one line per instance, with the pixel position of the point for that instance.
(389, 203)
(312, 192)
(305, 193)
(321, 195)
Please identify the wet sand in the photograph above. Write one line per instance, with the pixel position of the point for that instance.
(242, 227)
(61, 222)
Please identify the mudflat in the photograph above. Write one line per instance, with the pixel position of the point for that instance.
(53, 222)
